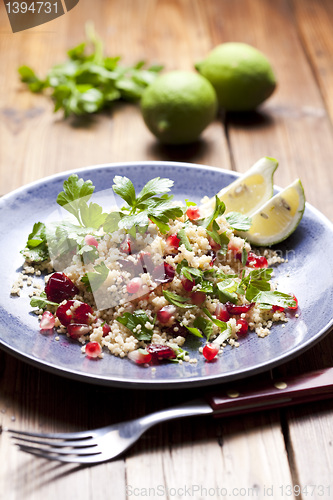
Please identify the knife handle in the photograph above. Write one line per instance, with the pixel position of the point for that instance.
(244, 397)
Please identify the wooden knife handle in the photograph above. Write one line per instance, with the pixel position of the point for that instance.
(243, 397)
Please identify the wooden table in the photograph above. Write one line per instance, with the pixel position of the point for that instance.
(263, 455)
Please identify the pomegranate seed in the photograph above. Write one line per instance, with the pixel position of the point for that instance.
(140, 356)
(213, 245)
(47, 321)
(187, 284)
(193, 213)
(159, 351)
(172, 242)
(277, 308)
(75, 330)
(210, 351)
(177, 330)
(79, 315)
(258, 261)
(221, 312)
(198, 298)
(165, 314)
(90, 240)
(61, 312)
(293, 308)
(244, 326)
(212, 253)
(126, 245)
(145, 263)
(233, 309)
(93, 349)
(60, 287)
(106, 329)
(134, 285)
(163, 273)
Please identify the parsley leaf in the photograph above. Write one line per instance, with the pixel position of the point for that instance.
(76, 192)
(36, 249)
(136, 323)
(92, 215)
(238, 221)
(218, 210)
(124, 188)
(94, 280)
(267, 299)
(184, 240)
(41, 302)
(177, 300)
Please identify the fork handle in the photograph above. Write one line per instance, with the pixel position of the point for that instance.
(244, 397)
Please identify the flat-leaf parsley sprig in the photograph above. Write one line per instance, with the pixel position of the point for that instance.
(151, 204)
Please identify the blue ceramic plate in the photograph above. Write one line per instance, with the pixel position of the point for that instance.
(308, 274)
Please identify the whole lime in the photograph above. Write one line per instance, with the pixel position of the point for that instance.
(241, 75)
(178, 106)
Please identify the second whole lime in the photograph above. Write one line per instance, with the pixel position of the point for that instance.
(241, 75)
(178, 106)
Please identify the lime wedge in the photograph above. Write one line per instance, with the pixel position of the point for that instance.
(278, 217)
(250, 191)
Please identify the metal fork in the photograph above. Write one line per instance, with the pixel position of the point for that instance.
(106, 443)
(103, 444)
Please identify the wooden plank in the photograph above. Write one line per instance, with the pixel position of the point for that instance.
(315, 24)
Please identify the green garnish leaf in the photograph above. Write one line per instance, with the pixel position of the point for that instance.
(184, 240)
(217, 322)
(267, 299)
(36, 249)
(76, 192)
(41, 302)
(177, 300)
(195, 331)
(226, 290)
(204, 325)
(221, 239)
(92, 215)
(94, 280)
(238, 221)
(111, 223)
(218, 210)
(153, 187)
(125, 189)
(136, 324)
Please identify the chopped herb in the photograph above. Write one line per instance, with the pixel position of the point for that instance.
(41, 302)
(36, 249)
(94, 280)
(177, 300)
(184, 240)
(238, 221)
(136, 323)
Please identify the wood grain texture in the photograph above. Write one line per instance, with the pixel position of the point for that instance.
(254, 452)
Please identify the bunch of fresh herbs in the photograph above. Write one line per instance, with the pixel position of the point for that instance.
(89, 81)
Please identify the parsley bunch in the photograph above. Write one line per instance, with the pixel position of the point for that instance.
(88, 81)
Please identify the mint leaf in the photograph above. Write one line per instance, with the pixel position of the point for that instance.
(136, 323)
(177, 300)
(221, 324)
(125, 189)
(41, 302)
(195, 331)
(94, 280)
(238, 221)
